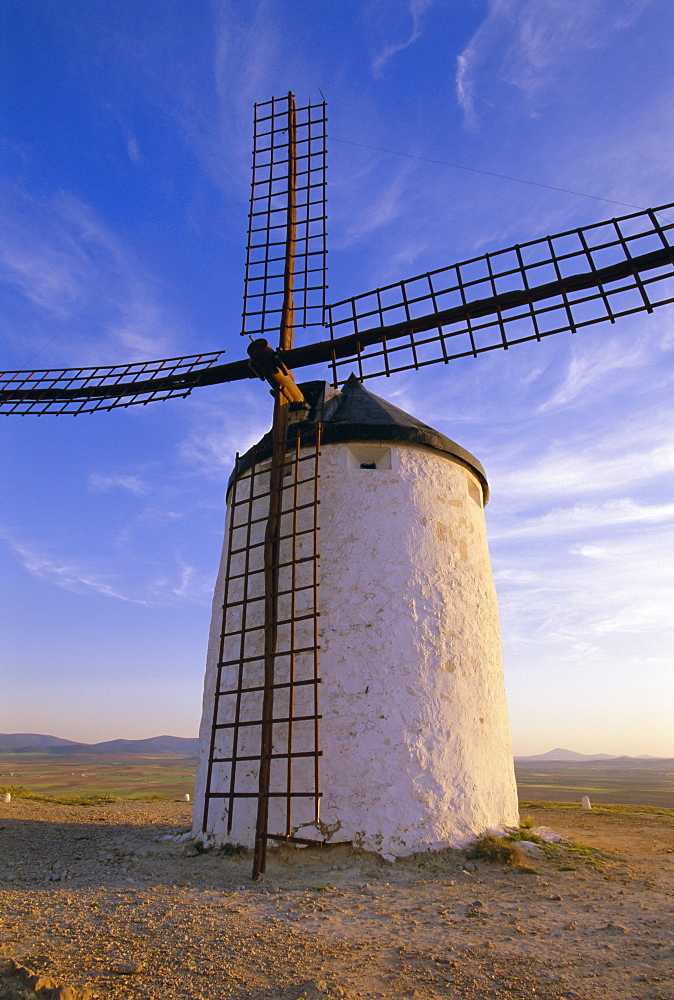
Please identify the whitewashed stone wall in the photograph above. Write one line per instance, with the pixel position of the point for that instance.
(415, 736)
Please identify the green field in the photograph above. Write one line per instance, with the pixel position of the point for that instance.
(624, 781)
(125, 775)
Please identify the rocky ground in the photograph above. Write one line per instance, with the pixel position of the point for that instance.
(106, 901)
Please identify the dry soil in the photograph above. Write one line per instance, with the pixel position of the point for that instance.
(102, 899)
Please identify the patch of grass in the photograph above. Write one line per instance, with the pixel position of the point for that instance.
(497, 850)
(602, 810)
(229, 850)
(531, 838)
(69, 800)
(21, 792)
(592, 855)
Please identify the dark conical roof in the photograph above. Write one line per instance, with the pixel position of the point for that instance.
(356, 414)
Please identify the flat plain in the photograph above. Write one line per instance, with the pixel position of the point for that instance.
(625, 780)
(124, 774)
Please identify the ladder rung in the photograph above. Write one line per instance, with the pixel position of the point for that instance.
(260, 656)
(274, 687)
(275, 722)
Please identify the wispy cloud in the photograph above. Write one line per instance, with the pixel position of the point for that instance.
(575, 600)
(178, 582)
(591, 366)
(381, 203)
(84, 290)
(211, 444)
(621, 460)
(531, 42)
(133, 149)
(99, 483)
(417, 9)
(611, 513)
(549, 35)
(64, 572)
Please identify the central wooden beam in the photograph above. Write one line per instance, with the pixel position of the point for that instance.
(272, 530)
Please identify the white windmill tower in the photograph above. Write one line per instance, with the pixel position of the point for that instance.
(414, 737)
(378, 717)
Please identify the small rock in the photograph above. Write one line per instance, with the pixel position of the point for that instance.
(186, 797)
(70, 993)
(313, 989)
(126, 968)
(531, 849)
(585, 802)
(548, 835)
(38, 982)
(190, 851)
(6, 797)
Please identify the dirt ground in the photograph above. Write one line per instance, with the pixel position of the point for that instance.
(101, 899)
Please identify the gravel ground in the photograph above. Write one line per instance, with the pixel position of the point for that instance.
(103, 901)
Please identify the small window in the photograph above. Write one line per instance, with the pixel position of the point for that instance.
(474, 490)
(369, 456)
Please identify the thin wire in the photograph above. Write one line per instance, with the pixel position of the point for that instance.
(362, 145)
(491, 173)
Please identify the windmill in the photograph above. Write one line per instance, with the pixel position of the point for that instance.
(264, 749)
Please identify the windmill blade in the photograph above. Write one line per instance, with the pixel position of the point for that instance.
(560, 283)
(85, 390)
(525, 292)
(287, 223)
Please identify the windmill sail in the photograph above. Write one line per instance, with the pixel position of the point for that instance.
(526, 292)
(287, 194)
(533, 290)
(102, 387)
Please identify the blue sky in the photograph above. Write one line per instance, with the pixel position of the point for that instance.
(126, 171)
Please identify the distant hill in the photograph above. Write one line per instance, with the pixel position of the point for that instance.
(156, 744)
(31, 742)
(19, 741)
(571, 755)
(560, 754)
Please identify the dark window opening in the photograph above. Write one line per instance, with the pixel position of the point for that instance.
(368, 465)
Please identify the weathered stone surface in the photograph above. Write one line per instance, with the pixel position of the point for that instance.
(548, 835)
(190, 850)
(127, 968)
(530, 849)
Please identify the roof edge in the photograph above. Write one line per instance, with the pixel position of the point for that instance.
(351, 432)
